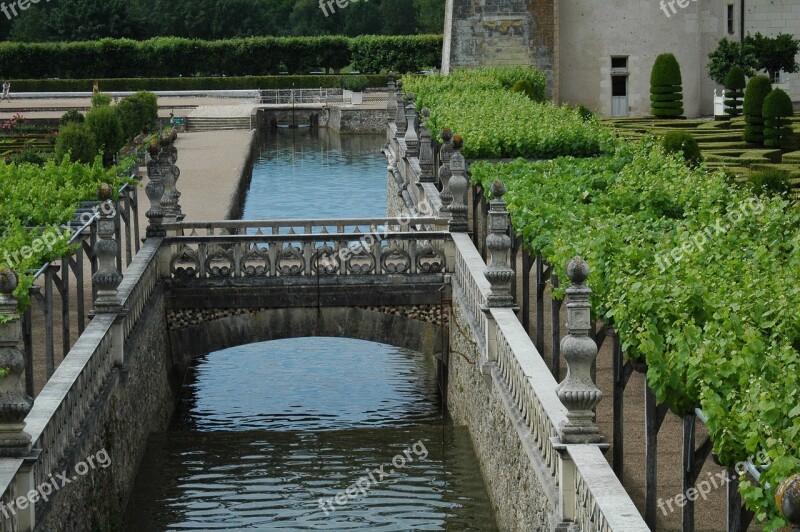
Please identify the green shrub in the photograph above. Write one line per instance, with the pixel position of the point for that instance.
(754, 95)
(525, 87)
(101, 99)
(139, 113)
(29, 156)
(776, 112)
(769, 181)
(735, 84)
(106, 127)
(355, 83)
(75, 140)
(73, 115)
(685, 144)
(406, 53)
(585, 112)
(666, 92)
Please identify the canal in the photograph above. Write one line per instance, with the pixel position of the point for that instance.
(311, 433)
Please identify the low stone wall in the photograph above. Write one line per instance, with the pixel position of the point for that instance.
(140, 400)
(244, 174)
(354, 121)
(342, 119)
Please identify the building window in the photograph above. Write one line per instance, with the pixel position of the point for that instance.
(619, 63)
(619, 86)
(731, 26)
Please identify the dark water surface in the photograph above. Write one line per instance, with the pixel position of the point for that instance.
(311, 433)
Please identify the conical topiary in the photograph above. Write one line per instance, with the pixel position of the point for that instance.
(734, 91)
(757, 90)
(666, 91)
(776, 112)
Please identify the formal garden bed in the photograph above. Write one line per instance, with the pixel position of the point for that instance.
(697, 274)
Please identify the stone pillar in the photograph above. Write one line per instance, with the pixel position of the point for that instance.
(400, 117)
(169, 202)
(426, 162)
(107, 278)
(155, 191)
(498, 273)
(14, 402)
(391, 104)
(458, 187)
(444, 170)
(412, 140)
(578, 391)
(787, 499)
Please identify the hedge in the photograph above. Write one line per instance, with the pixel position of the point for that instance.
(666, 93)
(252, 56)
(190, 83)
(754, 95)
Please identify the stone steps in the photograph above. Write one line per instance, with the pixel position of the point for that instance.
(201, 123)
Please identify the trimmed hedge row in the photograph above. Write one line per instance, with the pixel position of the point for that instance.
(252, 56)
(198, 83)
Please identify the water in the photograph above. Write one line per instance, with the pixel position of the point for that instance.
(311, 433)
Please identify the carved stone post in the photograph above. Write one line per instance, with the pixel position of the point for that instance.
(425, 150)
(499, 273)
(444, 170)
(107, 278)
(391, 104)
(169, 201)
(155, 191)
(14, 402)
(400, 117)
(412, 140)
(458, 187)
(578, 391)
(787, 499)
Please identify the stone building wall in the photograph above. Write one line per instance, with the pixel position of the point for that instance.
(771, 17)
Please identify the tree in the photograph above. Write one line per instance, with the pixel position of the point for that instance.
(757, 90)
(735, 84)
(774, 54)
(727, 55)
(75, 140)
(776, 112)
(138, 113)
(106, 128)
(399, 17)
(666, 91)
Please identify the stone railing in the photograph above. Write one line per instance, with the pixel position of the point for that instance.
(378, 226)
(306, 255)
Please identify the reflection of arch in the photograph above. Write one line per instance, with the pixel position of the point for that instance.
(239, 327)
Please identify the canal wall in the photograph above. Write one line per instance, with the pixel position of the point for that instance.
(342, 119)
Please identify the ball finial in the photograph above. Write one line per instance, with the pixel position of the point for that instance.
(8, 281)
(104, 192)
(498, 189)
(577, 270)
(446, 134)
(425, 112)
(458, 142)
(787, 499)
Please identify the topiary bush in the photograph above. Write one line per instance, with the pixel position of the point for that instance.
(776, 112)
(734, 91)
(73, 115)
(139, 113)
(106, 127)
(76, 141)
(685, 144)
(524, 86)
(769, 181)
(754, 95)
(355, 83)
(666, 90)
(101, 99)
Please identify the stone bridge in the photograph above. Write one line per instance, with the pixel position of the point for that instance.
(416, 279)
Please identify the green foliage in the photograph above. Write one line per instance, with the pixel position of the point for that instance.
(769, 181)
(252, 56)
(354, 83)
(585, 113)
(106, 128)
(727, 55)
(757, 90)
(138, 113)
(76, 142)
(683, 143)
(496, 122)
(714, 317)
(735, 84)
(101, 99)
(776, 112)
(73, 115)
(774, 54)
(525, 87)
(666, 92)
(370, 53)
(29, 156)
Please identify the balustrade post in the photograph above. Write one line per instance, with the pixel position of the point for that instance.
(391, 104)
(155, 215)
(499, 272)
(445, 153)
(578, 391)
(400, 117)
(107, 279)
(412, 139)
(14, 402)
(787, 498)
(426, 162)
(458, 187)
